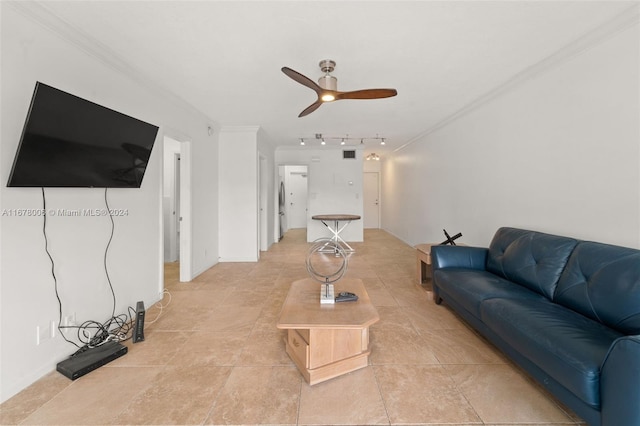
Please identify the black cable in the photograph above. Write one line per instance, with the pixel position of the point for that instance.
(53, 272)
(105, 332)
(106, 251)
(93, 333)
(116, 328)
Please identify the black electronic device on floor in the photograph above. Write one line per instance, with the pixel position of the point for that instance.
(138, 329)
(89, 359)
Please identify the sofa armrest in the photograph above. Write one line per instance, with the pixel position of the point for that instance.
(458, 257)
(620, 383)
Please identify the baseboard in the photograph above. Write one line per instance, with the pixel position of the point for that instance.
(239, 259)
(26, 381)
(203, 269)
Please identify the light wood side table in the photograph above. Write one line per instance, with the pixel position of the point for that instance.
(423, 261)
(327, 340)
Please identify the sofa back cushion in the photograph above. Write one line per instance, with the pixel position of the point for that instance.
(529, 258)
(602, 282)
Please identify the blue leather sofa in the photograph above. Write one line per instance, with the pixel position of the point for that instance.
(567, 311)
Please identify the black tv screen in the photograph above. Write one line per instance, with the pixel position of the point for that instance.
(68, 141)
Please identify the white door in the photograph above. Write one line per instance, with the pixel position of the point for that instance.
(296, 196)
(371, 200)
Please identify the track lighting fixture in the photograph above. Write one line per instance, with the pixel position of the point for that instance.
(341, 140)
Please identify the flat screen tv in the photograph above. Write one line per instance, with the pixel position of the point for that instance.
(68, 141)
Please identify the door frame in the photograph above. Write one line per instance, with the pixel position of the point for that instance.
(277, 177)
(185, 253)
(174, 211)
(263, 238)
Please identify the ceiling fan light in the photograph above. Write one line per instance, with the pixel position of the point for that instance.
(328, 82)
(328, 97)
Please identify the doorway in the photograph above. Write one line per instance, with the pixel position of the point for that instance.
(292, 197)
(297, 197)
(371, 200)
(176, 217)
(176, 206)
(263, 240)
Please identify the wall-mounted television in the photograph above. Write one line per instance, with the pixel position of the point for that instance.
(68, 141)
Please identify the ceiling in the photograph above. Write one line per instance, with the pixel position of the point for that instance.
(224, 57)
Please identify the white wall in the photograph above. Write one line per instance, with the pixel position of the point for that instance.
(335, 186)
(269, 188)
(240, 150)
(559, 153)
(238, 156)
(30, 53)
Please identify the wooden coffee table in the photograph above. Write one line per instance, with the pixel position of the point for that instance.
(326, 341)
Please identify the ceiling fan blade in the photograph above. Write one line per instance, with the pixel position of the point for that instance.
(367, 94)
(308, 110)
(305, 81)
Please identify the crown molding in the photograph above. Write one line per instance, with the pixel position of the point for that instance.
(40, 14)
(624, 20)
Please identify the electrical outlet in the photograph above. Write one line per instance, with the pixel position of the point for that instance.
(69, 320)
(44, 332)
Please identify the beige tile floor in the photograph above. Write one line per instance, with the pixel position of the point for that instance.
(214, 356)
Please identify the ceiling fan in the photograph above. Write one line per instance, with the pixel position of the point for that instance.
(327, 88)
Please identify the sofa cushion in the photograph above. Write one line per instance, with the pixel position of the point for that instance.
(532, 259)
(602, 281)
(563, 343)
(469, 287)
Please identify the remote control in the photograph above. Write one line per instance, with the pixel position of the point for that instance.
(345, 296)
